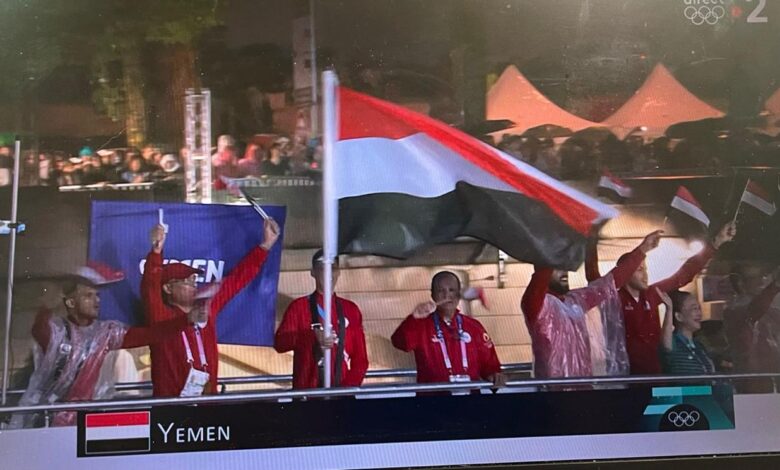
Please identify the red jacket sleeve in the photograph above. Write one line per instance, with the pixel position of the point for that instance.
(687, 271)
(147, 335)
(592, 261)
(358, 358)
(41, 330)
(488, 358)
(295, 333)
(237, 279)
(151, 290)
(406, 337)
(533, 298)
(761, 303)
(627, 267)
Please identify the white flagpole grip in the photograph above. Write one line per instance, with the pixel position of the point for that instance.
(11, 263)
(330, 204)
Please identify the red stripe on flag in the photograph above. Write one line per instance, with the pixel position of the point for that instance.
(683, 193)
(756, 189)
(371, 117)
(117, 419)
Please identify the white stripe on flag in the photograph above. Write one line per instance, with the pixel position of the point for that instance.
(758, 202)
(421, 166)
(690, 209)
(102, 433)
(608, 183)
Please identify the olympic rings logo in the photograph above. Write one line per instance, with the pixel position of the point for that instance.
(684, 418)
(704, 14)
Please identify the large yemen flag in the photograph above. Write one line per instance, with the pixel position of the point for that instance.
(405, 181)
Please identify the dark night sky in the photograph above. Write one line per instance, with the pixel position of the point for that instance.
(614, 41)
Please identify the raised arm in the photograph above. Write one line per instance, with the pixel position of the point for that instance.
(668, 326)
(592, 260)
(151, 281)
(406, 337)
(238, 278)
(533, 297)
(687, 271)
(695, 264)
(628, 264)
(246, 270)
(41, 330)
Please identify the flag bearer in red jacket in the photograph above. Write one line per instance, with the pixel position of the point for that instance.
(301, 332)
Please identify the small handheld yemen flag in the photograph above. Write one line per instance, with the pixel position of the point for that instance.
(403, 181)
(109, 433)
(613, 187)
(684, 202)
(754, 195)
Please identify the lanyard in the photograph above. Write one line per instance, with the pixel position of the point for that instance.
(188, 350)
(705, 363)
(464, 359)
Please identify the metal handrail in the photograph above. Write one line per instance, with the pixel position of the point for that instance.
(374, 390)
(286, 378)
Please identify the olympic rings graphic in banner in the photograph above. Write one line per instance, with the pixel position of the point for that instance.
(684, 418)
(704, 14)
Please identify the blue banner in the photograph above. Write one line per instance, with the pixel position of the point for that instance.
(210, 237)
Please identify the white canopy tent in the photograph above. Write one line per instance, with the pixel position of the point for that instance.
(660, 102)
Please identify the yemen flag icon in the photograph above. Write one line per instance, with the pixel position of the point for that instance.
(117, 433)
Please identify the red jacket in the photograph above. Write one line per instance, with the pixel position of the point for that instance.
(169, 358)
(419, 336)
(295, 334)
(643, 324)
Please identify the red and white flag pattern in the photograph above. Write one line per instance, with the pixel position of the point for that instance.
(756, 196)
(99, 273)
(404, 181)
(612, 183)
(123, 432)
(684, 202)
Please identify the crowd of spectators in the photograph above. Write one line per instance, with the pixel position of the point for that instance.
(583, 155)
(269, 157)
(278, 156)
(89, 167)
(577, 157)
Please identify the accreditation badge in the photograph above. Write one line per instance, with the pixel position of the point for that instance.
(195, 384)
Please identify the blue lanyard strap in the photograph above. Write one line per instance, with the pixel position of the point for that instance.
(443, 345)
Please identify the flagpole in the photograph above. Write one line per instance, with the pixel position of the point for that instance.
(739, 204)
(11, 263)
(330, 209)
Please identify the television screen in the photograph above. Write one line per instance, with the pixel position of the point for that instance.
(389, 234)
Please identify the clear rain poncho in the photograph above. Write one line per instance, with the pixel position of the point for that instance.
(561, 340)
(608, 339)
(70, 369)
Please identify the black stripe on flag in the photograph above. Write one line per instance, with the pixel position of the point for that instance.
(398, 225)
(111, 446)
